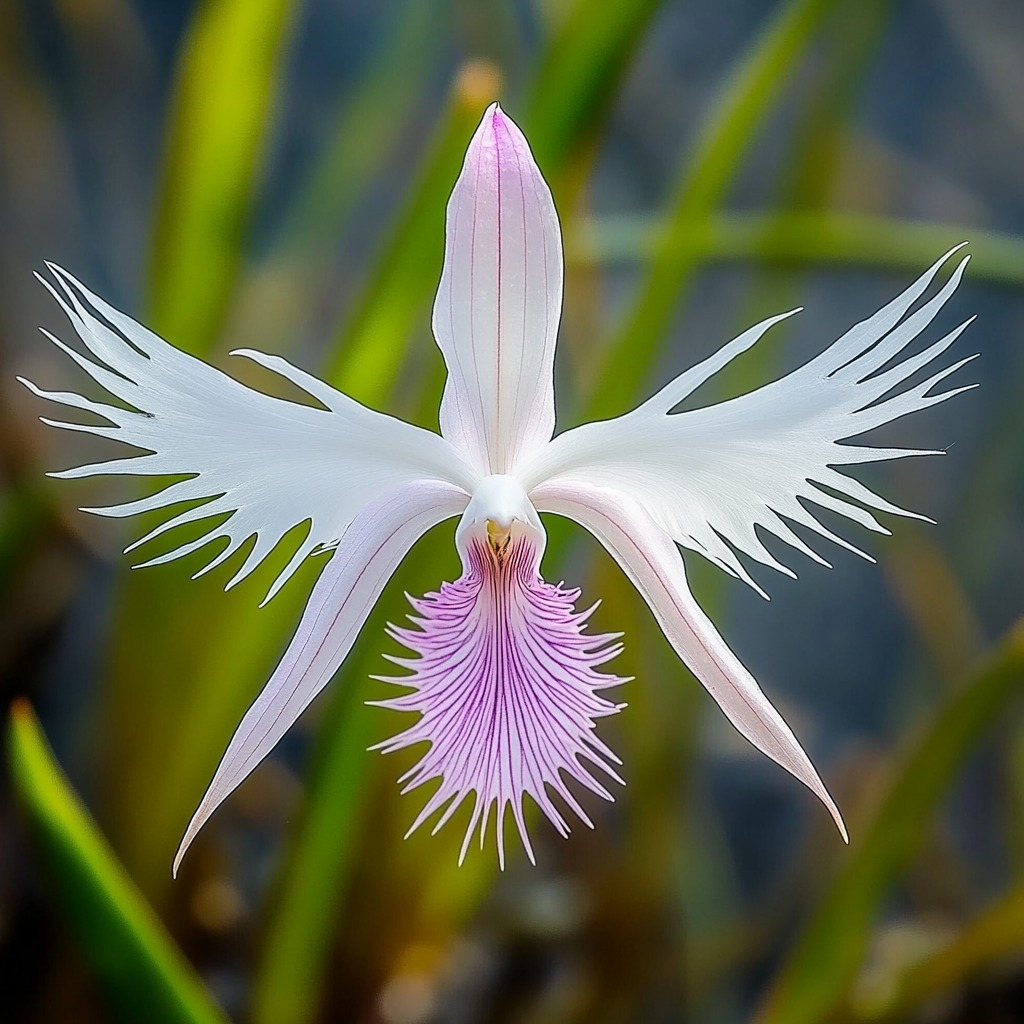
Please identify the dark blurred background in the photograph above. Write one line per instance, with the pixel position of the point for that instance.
(273, 175)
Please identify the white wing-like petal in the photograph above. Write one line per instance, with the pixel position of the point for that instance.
(652, 562)
(709, 477)
(271, 464)
(499, 300)
(367, 556)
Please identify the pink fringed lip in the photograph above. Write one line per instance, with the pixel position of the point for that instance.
(507, 689)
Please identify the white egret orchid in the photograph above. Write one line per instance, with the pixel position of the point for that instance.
(505, 680)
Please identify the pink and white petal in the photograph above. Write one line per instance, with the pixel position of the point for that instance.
(508, 693)
(367, 556)
(653, 563)
(499, 301)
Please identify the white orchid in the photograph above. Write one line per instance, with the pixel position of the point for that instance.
(505, 677)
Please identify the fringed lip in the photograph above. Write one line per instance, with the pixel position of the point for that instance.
(506, 685)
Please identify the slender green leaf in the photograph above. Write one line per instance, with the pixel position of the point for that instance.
(142, 972)
(371, 346)
(369, 125)
(725, 138)
(817, 975)
(814, 160)
(219, 122)
(822, 239)
(577, 75)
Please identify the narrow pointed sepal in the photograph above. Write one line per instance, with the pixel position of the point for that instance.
(652, 562)
(348, 588)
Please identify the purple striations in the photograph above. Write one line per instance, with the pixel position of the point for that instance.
(506, 687)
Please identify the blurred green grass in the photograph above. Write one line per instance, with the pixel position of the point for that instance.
(131, 952)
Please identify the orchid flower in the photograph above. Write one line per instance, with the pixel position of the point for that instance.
(505, 678)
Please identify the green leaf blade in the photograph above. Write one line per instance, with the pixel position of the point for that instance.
(143, 973)
(575, 80)
(219, 121)
(816, 977)
(372, 344)
(755, 83)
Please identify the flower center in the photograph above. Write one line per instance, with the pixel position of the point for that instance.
(499, 511)
(498, 537)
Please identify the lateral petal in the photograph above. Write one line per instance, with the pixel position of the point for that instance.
(710, 477)
(367, 556)
(499, 301)
(271, 463)
(651, 560)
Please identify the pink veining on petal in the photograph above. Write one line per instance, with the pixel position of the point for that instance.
(499, 301)
(506, 686)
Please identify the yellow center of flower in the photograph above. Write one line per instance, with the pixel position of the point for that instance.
(498, 537)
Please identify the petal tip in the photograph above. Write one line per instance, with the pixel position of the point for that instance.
(180, 855)
(842, 829)
(498, 137)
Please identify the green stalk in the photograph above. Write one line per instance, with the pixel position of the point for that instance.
(577, 74)
(372, 345)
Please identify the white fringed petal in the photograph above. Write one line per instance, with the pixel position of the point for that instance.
(499, 301)
(652, 562)
(708, 477)
(271, 464)
(367, 556)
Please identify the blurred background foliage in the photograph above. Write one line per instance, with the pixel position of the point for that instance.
(273, 174)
